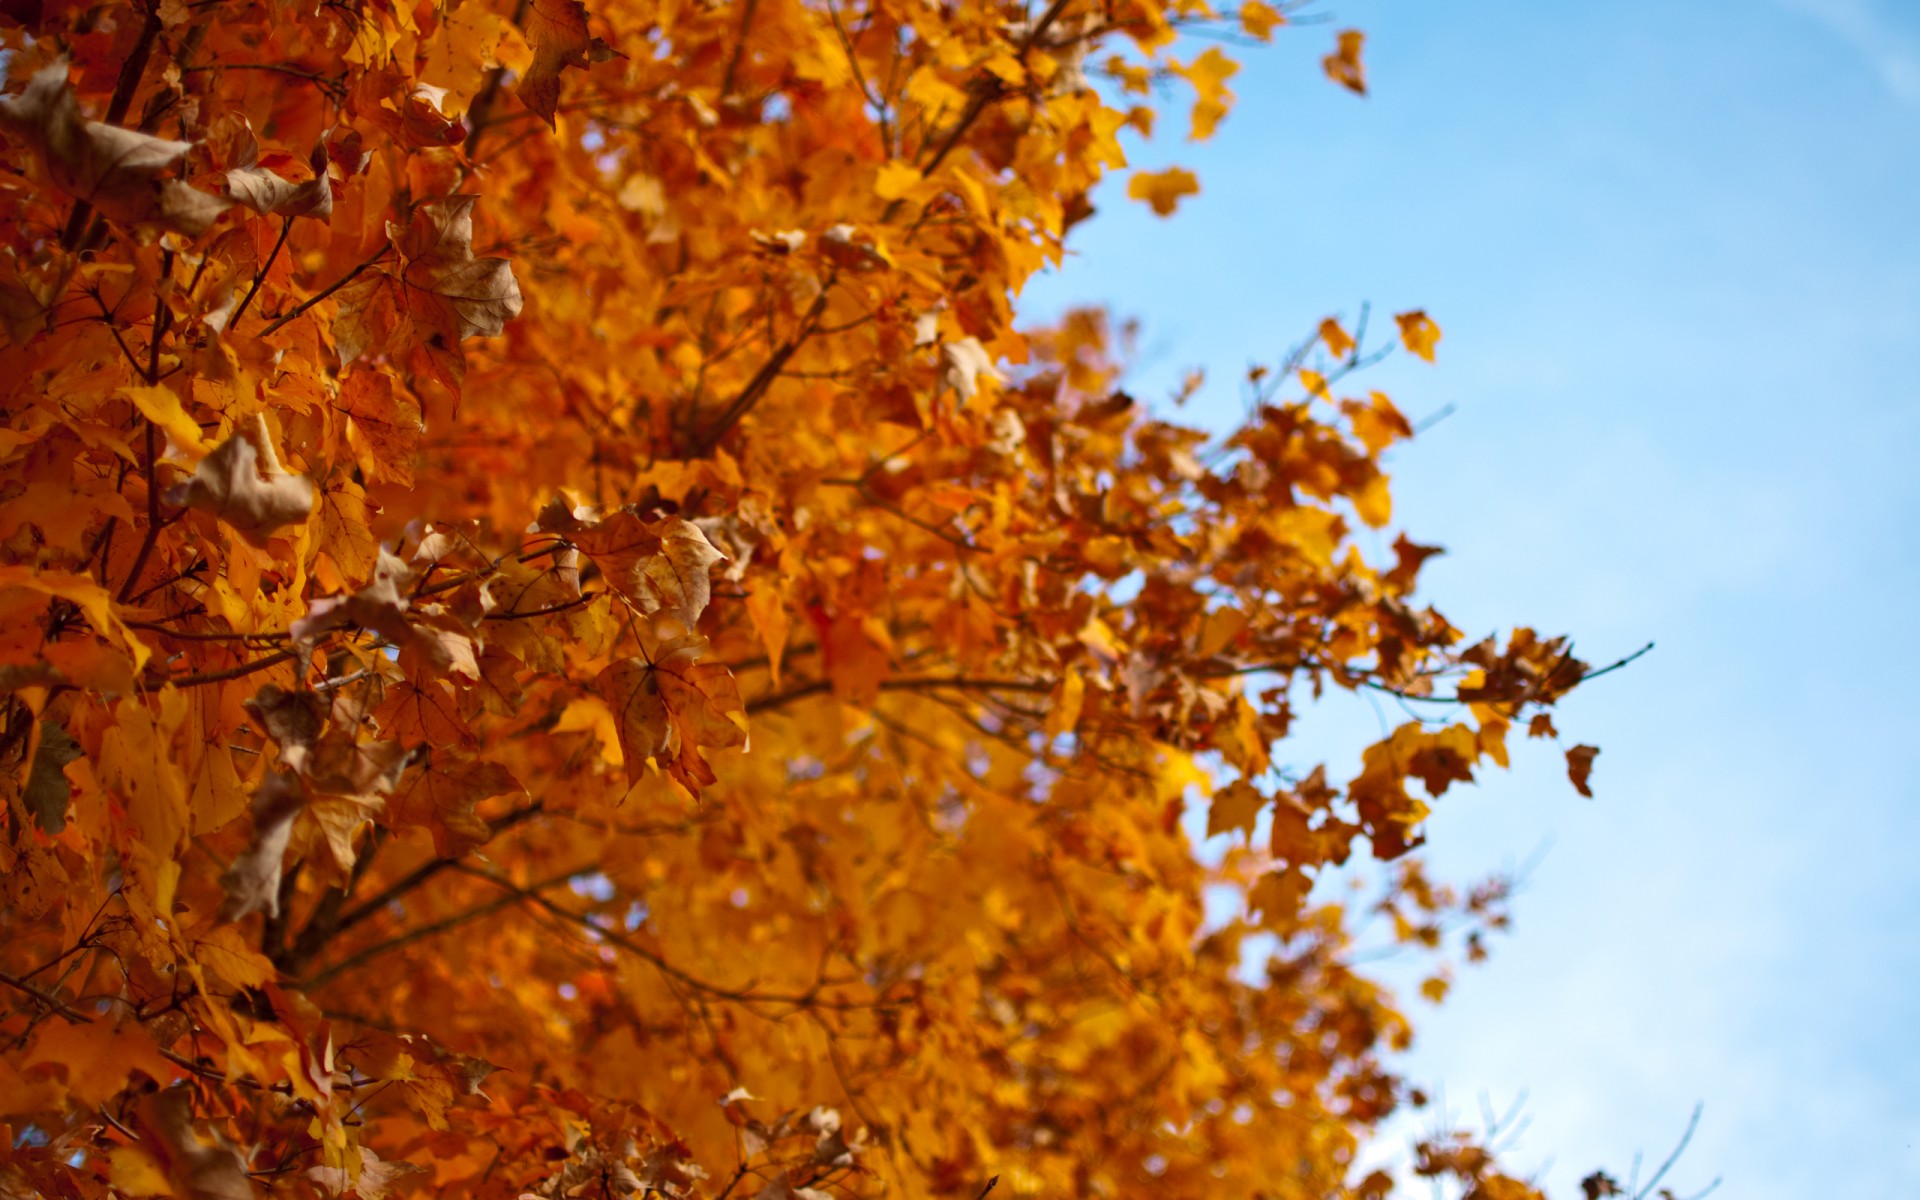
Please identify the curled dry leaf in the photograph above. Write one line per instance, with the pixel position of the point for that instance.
(378, 606)
(661, 566)
(199, 1163)
(252, 882)
(243, 484)
(374, 1179)
(294, 719)
(780, 1187)
(267, 192)
(431, 632)
(48, 792)
(966, 361)
(118, 171)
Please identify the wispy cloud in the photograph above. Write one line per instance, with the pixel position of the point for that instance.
(1890, 46)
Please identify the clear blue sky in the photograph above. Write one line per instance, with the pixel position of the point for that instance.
(1675, 249)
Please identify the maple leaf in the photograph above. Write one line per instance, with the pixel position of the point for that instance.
(1339, 343)
(1209, 74)
(661, 565)
(1418, 333)
(346, 765)
(1580, 768)
(443, 794)
(561, 39)
(1163, 190)
(1259, 20)
(1237, 807)
(671, 708)
(1343, 66)
(243, 484)
(118, 171)
(441, 296)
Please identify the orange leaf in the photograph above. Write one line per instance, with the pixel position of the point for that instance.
(671, 708)
(1338, 343)
(558, 31)
(1418, 333)
(1580, 768)
(1343, 66)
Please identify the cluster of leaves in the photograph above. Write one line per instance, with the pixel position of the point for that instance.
(435, 434)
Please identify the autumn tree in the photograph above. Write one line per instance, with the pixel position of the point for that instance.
(561, 639)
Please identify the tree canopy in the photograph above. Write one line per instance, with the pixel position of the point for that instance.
(563, 639)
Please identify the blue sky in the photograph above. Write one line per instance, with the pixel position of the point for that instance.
(1674, 250)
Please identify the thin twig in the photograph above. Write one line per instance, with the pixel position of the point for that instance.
(286, 227)
(51, 1001)
(335, 286)
(241, 671)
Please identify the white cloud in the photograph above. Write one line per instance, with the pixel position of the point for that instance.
(1890, 47)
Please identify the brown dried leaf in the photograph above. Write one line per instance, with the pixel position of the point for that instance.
(293, 719)
(243, 484)
(267, 192)
(378, 606)
(48, 792)
(115, 170)
(375, 1178)
(199, 1162)
(253, 881)
(661, 566)
(1580, 768)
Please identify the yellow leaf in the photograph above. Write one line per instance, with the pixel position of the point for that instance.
(1163, 189)
(161, 405)
(768, 613)
(1208, 74)
(1218, 629)
(895, 180)
(135, 1172)
(1374, 502)
(1068, 698)
(1258, 20)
